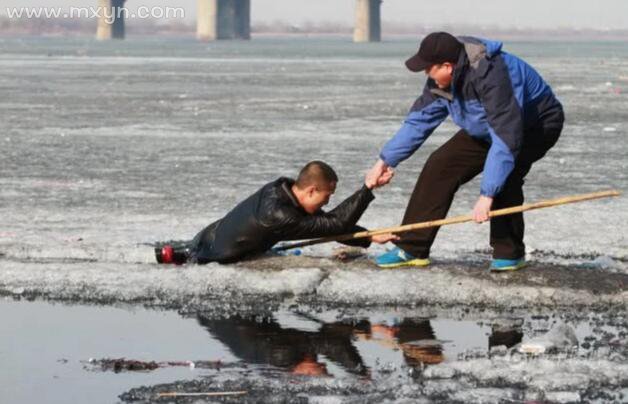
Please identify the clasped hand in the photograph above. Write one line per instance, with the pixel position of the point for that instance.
(379, 175)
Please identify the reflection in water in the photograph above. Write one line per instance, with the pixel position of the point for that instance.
(505, 332)
(414, 337)
(266, 342)
(302, 350)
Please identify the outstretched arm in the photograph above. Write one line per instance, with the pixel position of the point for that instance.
(427, 112)
(338, 221)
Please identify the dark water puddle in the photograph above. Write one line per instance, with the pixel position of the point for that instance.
(59, 347)
(48, 345)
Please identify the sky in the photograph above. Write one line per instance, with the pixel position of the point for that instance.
(540, 14)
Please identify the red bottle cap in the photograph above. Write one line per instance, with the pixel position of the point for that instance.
(167, 254)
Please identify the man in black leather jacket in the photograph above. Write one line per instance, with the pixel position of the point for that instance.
(284, 209)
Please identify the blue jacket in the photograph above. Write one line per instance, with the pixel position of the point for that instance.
(494, 96)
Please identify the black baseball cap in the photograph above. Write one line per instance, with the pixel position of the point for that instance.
(436, 48)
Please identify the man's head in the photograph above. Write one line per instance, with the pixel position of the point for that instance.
(314, 186)
(309, 366)
(437, 56)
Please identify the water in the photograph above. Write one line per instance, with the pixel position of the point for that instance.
(111, 146)
(46, 349)
(288, 344)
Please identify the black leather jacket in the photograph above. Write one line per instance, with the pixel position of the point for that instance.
(273, 214)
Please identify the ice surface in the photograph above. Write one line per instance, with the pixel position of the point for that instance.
(560, 338)
(310, 279)
(484, 380)
(119, 161)
(110, 146)
(538, 377)
(152, 283)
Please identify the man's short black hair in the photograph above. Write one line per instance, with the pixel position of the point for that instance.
(316, 173)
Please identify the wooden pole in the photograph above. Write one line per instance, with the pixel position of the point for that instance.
(457, 219)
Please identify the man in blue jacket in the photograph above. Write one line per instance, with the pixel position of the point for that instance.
(509, 118)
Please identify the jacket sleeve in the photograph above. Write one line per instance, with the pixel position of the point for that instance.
(425, 115)
(358, 242)
(505, 118)
(340, 220)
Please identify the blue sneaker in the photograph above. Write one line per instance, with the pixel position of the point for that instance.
(397, 258)
(500, 264)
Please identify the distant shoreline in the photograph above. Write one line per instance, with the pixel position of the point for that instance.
(390, 30)
(340, 36)
(532, 36)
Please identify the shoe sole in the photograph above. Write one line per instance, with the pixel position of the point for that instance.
(419, 262)
(510, 268)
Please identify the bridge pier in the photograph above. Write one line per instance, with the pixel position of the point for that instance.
(111, 21)
(223, 19)
(368, 24)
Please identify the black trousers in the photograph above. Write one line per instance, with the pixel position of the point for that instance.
(455, 163)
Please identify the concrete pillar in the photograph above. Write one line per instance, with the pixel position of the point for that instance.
(109, 25)
(243, 19)
(223, 19)
(104, 28)
(206, 20)
(118, 30)
(368, 25)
